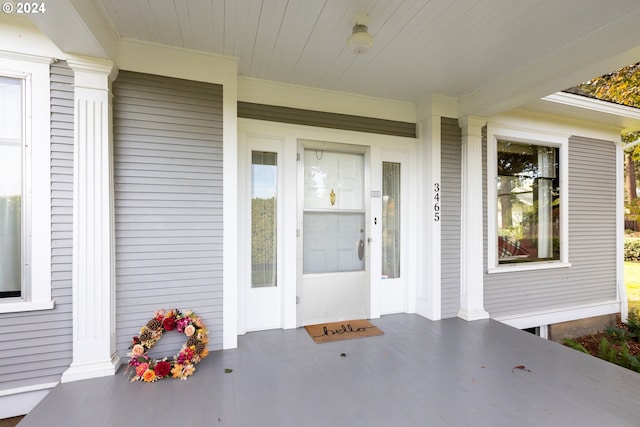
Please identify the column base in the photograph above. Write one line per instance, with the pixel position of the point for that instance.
(471, 315)
(85, 371)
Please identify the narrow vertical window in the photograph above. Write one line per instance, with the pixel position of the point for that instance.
(528, 203)
(11, 183)
(264, 183)
(390, 220)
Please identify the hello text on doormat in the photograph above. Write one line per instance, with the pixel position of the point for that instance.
(327, 332)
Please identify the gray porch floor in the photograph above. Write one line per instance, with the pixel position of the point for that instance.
(422, 373)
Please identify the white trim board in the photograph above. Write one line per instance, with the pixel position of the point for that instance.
(550, 317)
(21, 400)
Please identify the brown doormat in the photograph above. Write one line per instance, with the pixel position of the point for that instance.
(327, 332)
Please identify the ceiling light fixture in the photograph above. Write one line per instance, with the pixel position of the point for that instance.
(360, 40)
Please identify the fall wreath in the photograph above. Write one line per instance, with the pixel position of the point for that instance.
(181, 365)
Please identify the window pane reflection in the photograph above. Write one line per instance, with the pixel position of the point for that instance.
(390, 220)
(264, 183)
(11, 172)
(528, 202)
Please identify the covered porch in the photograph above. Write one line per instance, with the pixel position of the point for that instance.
(420, 372)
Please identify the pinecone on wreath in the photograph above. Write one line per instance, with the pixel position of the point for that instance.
(145, 336)
(154, 324)
(192, 341)
(200, 348)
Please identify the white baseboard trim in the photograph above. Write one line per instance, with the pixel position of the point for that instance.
(549, 317)
(21, 400)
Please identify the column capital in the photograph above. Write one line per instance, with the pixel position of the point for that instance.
(91, 72)
(472, 123)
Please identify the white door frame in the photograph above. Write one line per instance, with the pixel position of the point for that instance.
(288, 136)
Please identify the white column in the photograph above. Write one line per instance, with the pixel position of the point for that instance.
(94, 352)
(471, 275)
(429, 289)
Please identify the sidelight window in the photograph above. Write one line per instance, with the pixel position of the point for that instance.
(264, 185)
(390, 220)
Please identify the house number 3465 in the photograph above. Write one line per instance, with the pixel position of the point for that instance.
(436, 203)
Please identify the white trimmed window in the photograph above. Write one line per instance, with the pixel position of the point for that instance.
(12, 168)
(25, 184)
(526, 200)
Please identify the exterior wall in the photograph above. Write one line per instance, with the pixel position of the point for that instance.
(194, 66)
(168, 158)
(590, 278)
(451, 206)
(558, 332)
(35, 346)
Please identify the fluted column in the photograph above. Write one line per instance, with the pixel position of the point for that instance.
(471, 274)
(94, 352)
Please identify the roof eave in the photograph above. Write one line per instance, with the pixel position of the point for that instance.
(594, 110)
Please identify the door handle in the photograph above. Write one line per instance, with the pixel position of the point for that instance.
(361, 249)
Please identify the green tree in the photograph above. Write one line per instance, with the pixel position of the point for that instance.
(622, 87)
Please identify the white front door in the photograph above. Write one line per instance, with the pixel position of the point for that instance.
(333, 248)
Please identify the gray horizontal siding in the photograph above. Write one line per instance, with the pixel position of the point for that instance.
(298, 116)
(36, 347)
(592, 242)
(451, 175)
(168, 204)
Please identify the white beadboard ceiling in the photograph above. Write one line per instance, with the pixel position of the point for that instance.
(479, 50)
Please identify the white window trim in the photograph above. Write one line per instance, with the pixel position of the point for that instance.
(36, 287)
(528, 136)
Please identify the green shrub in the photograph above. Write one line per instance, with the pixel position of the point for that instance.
(620, 334)
(632, 250)
(629, 360)
(575, 345)
(607, 352)
(614, 347)
(633, 323)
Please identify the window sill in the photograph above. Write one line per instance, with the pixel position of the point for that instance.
(21, 306)
(528, 267)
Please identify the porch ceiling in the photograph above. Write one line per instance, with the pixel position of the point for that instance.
(491, 55)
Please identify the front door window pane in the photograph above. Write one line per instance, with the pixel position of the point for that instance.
(11, 172)
(333, 242)
(390, 220)
(334, 215)
(264, 183)
(528, 203)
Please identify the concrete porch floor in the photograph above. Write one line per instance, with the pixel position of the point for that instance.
(419, 373)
